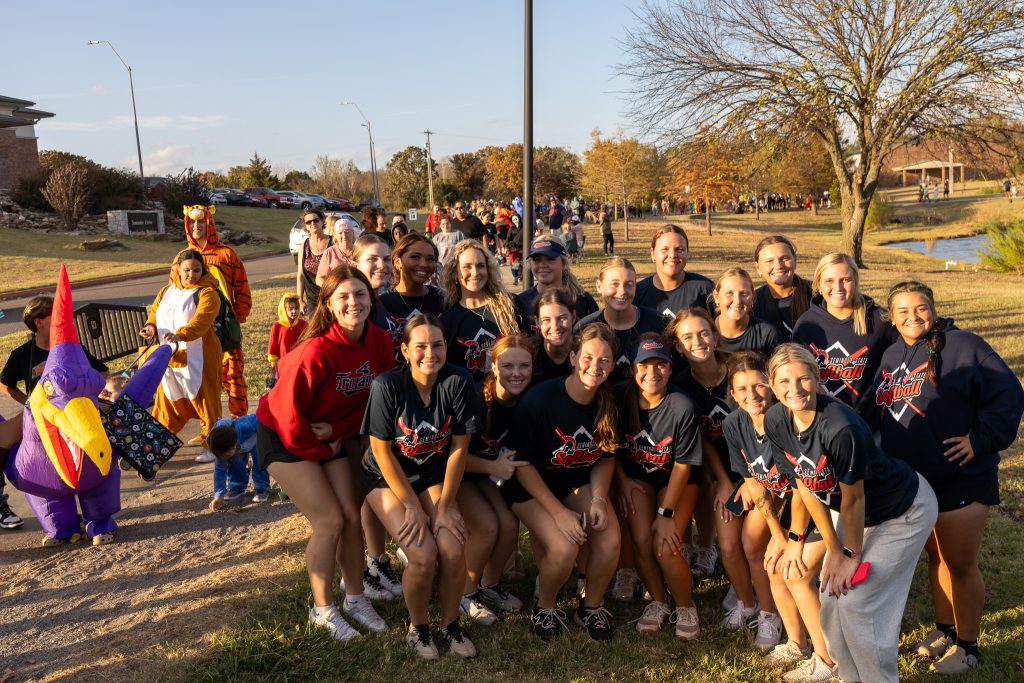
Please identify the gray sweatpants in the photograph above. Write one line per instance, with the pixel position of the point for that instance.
(862, 628)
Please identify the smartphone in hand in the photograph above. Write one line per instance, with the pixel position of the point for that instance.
(861, 574)
(735, 502)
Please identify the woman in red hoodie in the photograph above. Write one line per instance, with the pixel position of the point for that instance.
(317, 404)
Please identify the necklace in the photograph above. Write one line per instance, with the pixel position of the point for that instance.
(480, 311)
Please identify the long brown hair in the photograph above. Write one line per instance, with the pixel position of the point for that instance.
(936, 335)
(632, 398)
(558, 296)
(512, 341)
(800, 302)
(746, 361)
(322, 317)
(605, 424)
(684, 314)
(501, 303)
(860, 306)
(403, 246)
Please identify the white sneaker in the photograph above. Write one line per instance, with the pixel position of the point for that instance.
(956, 661)
(421, 643)
(363, 613)
(934, 644)
(769, 630)
(382, 570)
(205, 456)
(729, 601)
(653, 617)
(687, 623)
(500, 598)
(371, 588)
(812, 670)
(737, 617)
(704, 560)
(625, 585)
(473, 607)
(329, 618)
(785, 653)
(458, 642)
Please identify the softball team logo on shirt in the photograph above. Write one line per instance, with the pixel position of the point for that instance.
(653, 457)
(578, 450)
(898, 388)
(819, 477)
(355, 382)
(423, 441)
(839, 368)
(478, 350)
(770, 478)
(711, 424)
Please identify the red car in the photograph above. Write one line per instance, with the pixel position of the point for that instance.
(272, 199)
(343, 204)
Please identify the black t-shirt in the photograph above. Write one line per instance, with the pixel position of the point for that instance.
(693, 292)
(754, 456)
(27, 356)
(759, 336)
(714, 404)
(585, 305)
(646, 321)
(778, 312)
(420, 435)
(838, 448)
(669, 434)
(556, 435)
(401, 307)
(470, 333)
(544, 368)
(490, 440)
(472, 227)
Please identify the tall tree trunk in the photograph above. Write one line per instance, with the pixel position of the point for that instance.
(855, 213)
(757, 205)
(707, 213)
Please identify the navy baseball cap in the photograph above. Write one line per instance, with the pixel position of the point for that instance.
(652, 349)
(547, 247)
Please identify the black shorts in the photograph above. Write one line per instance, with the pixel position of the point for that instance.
(514, 492)
(980, 488)
(420, 483)
(270, 449)
(785, 519)
(661, 481)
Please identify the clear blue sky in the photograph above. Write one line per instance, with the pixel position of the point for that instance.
(216, 81)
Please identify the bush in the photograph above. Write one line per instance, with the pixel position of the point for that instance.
(835, 194)
(67, 191)
(28, 191)
(991, 189)
(184, 189)
(109, 188)
(880, 213)
(1004, 250)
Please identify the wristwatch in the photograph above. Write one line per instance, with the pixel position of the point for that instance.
(797, 538)
(665, 512)
(850, 553)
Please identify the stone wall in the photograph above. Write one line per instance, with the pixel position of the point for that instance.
(135, 222)
(19, 157)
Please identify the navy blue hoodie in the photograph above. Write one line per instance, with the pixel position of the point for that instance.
(976, 393)
(847, 361)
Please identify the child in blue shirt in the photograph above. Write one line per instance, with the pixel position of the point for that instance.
(233, 441)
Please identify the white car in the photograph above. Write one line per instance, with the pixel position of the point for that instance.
(218, 199)
(301, 200)
(298, 233)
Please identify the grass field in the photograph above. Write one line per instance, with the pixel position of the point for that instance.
(271, 642)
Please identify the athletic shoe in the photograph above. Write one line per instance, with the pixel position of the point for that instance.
(812, 670)
(473, 607)
(381, 569)
(261, 497)
(686, 621)
(500, 598)
(103, 539)
(703, 563)
(362, 613)
(371, 587)
(233, 495)
(935, 644)
(9, 520)
(421, 643)
(785, 653)
(955, 661)
(729, 601)
(597, 621)
(625, 585)
(737, 617)
(330, 618)
(548, 622)
(653, 617)
(769, 630)
(205, 456)
(196, 441)
(458, 642)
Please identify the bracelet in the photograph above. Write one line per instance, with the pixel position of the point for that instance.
(598, 499)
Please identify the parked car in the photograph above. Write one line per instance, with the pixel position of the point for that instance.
(301, 200)
(329, 204)
(273, 199)
(362, 205)
(298, 233)
(343, 204)
(235, 197)
(218, 199)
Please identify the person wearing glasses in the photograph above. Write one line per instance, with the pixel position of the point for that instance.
(313, 248)
(468, 224)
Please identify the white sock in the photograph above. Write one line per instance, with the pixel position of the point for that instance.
(353, 600)
(321, 611)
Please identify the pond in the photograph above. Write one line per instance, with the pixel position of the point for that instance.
(960, 249)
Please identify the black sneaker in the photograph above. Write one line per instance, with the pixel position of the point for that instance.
(548, 623)
(597, 621)
(8, 520)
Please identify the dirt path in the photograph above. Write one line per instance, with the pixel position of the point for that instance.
(175, 575)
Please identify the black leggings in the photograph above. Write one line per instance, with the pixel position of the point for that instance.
(609, 243)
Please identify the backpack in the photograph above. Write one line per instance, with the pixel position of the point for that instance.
(226, 326)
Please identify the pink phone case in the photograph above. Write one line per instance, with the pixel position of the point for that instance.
(861, 574)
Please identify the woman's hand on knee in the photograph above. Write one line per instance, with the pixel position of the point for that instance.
(627, 489)
(600, 510)
(449, 518)
(414, 528)
(568, 522)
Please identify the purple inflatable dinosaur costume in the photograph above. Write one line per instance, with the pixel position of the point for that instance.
(64, 453)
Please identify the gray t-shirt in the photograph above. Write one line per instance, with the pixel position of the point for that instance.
(445, 243)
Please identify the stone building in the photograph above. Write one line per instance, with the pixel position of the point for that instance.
(19, 154)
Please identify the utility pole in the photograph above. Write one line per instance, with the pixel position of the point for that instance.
(430, 173)
(528, 224)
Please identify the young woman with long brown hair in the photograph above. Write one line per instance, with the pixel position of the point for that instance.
(784, 296)
(414, 262)
(738, 330)
(554, 312)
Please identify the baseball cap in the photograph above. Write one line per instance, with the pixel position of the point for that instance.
(547, 247)
(652, 349)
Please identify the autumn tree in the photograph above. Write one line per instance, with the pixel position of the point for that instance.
(704, 169)
(298, 180)
(878, 71)
(467, 173)
(404, 179)
(620, 169)
(556, 171)
(259, 174)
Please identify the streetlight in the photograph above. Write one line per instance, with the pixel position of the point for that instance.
(373, 154)
(135, 114)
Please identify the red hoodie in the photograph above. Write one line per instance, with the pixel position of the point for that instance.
(324, 379)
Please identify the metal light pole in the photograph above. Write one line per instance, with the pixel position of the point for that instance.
(373, 153)
(135, 114)
(528, 220)
(430, 172)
